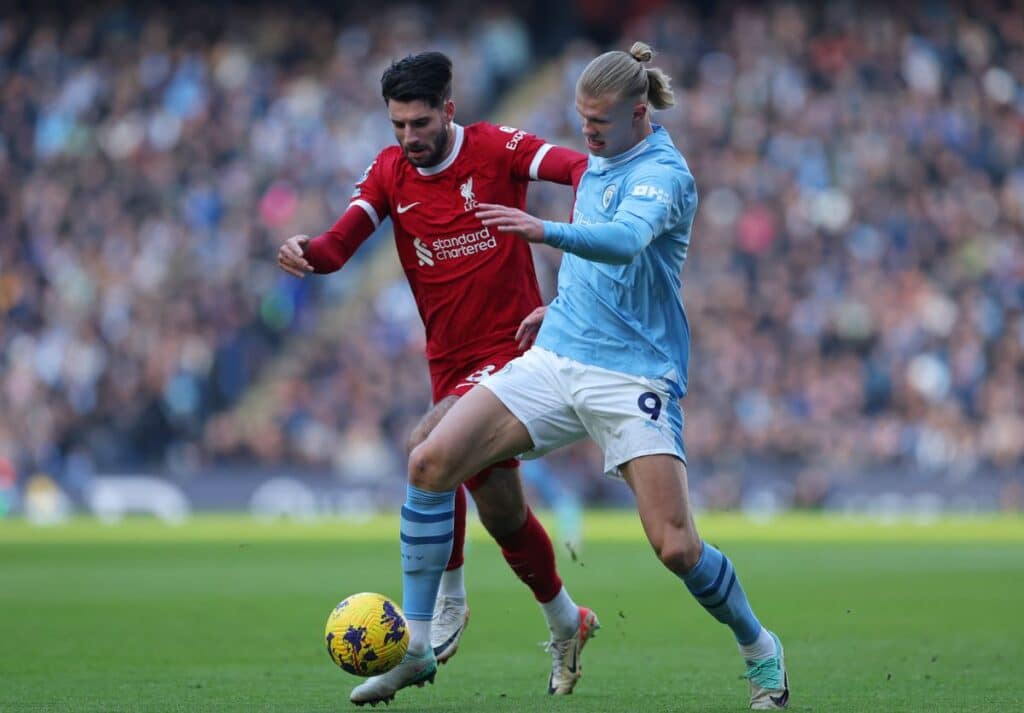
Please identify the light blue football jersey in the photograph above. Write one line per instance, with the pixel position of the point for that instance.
(618, 304)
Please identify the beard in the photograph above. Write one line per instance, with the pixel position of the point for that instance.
(435, 153)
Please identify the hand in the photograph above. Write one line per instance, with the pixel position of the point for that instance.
(511, 220)
(528, 328)
(291, 256)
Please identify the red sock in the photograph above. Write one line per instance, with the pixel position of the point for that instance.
(529, 553)
(459, 537)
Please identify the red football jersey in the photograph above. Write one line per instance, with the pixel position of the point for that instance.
(472, 285)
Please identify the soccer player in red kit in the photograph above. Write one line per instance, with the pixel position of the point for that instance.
(474, 288)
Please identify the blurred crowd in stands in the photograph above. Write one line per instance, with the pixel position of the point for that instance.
(855, 284)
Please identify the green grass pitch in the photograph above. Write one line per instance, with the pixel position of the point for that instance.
(227, 614)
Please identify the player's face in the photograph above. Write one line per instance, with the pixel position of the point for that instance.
(610, 125)
(423, 132)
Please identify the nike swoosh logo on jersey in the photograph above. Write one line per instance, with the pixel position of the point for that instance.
(402, 208)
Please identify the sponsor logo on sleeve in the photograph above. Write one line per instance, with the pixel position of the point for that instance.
(517, 136)
(643, 190)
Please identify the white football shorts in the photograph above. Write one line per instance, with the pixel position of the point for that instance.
(561, 400)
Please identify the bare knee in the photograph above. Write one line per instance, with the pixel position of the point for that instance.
(428, 468)
(678, 548)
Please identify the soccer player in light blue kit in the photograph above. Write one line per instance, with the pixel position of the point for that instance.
(609, 362)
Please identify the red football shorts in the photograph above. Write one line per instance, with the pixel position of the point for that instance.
(450, 379)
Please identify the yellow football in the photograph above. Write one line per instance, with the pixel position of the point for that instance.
(367, 634)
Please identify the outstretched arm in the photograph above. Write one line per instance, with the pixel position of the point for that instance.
(617, 242)
(330, 250)
(512, 220)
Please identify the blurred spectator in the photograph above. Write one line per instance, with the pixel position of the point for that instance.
(856, 279)
(150, 163)
(855, 283)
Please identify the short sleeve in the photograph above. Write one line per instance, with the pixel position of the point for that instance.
(371, 191)
(527, 151)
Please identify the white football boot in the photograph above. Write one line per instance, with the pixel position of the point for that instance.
(412, 671)
(451, 615)
(769, 681)
(566, 668)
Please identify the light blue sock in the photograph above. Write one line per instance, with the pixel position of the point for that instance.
(427, 524)
(714, 584)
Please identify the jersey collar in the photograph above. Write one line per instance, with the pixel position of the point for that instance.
(603, 164)
(434, 170)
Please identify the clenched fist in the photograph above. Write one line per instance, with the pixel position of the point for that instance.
(291, 256)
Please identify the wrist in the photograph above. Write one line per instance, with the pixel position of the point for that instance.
(551, 233)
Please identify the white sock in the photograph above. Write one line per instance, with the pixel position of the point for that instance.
(452, 584)
(419, 636)
(763, 647)
(562, 614)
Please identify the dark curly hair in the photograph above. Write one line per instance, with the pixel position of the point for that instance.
(426, 77)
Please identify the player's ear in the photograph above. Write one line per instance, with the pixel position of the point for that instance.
(449, 110)
(639, 111)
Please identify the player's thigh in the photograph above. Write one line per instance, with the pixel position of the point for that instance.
(500, 502)
(477, 430)
(663, 501)
(449, 381)
(537, 389)
(430, 419)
